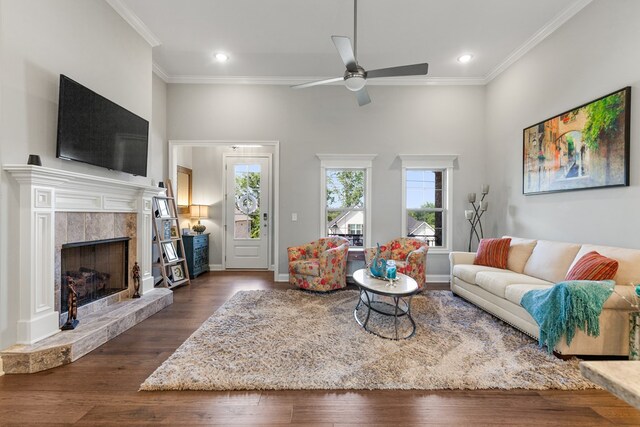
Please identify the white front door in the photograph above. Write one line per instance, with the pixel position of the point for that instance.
(247, 212)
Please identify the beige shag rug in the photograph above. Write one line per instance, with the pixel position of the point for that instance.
(276, 340)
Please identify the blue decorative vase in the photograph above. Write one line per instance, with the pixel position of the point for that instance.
(391, 270)
(378, 265)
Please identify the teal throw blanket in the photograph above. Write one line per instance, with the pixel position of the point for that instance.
(566, 306)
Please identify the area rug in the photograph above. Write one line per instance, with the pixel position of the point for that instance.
(278, 340)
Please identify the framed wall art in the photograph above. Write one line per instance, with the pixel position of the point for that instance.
(586, 147)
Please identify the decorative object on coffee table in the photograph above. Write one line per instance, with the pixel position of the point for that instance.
(400, 292)
(72, 303)
(378, 267)
(135, 274)
(474, 215)
(198, 212)
(409, 254)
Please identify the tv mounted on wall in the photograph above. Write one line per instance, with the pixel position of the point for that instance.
(94, 130)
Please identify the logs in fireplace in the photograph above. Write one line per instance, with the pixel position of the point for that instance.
(96, 270)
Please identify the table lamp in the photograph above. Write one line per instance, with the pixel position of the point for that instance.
(198, 212)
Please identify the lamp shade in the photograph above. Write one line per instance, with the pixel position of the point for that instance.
(199, 211)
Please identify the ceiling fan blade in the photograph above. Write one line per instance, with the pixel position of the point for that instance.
(363, 97)
(343, 44)
(316, 83)
(404, 70)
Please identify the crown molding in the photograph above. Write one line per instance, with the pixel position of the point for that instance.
(160, 72)
(540, 35)
(135, 22)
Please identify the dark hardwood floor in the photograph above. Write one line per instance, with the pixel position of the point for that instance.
(101, 388)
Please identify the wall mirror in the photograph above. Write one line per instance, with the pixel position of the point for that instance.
(184, 186)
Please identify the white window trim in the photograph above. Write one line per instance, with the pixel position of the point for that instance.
(431, 161)
(346, 161)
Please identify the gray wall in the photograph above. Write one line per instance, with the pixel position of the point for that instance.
(401, 119)
(593, 54)
(39, 40)
(157, 166)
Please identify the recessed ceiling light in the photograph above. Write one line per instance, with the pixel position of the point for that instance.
(221, 57)
(465, 58)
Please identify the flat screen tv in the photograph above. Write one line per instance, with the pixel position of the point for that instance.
(94, 130)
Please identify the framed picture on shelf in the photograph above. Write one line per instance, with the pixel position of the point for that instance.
(177, 273)
(586, 147)
(174, 232)
(163, 209)
(166, 227)
(170, 251)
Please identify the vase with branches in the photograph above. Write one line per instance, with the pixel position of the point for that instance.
(474, 215)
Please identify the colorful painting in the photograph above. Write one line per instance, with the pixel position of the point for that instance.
(587, 147)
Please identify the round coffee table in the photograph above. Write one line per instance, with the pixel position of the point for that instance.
(401, 293)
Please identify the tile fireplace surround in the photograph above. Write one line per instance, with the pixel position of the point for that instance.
(57, 207)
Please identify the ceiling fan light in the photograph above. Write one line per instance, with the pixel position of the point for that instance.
(355, 83)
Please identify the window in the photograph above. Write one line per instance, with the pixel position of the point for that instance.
(426, 213)
(424, 208)
(345, 196)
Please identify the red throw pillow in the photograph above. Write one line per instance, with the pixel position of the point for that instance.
(593, 266)
(493, 252)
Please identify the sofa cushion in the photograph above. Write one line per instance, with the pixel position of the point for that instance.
(550, 261)
(308, 267)
(514, 293)
(467, 272)
(493, 253)
(497, 283)
(628, 262)
(519, 252)
(593, 266)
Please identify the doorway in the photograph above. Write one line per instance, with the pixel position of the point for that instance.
(205, 157)
(247, 219)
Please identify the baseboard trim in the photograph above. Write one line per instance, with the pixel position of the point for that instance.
(438, 278)
(215, 267)
(283, 278)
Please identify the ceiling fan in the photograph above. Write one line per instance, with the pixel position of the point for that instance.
(355, 77)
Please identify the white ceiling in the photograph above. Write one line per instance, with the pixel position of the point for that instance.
(288, 41)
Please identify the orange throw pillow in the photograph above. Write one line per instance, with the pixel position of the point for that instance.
(593, 266)
(493, 253)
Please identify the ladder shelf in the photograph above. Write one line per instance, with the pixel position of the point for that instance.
(172, 263)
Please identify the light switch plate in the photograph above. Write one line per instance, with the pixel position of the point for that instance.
(294, 216)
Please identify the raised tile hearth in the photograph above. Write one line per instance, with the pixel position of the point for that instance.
(93, 331)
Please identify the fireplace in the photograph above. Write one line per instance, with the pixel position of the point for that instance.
(95, 269)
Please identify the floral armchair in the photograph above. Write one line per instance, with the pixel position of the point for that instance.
(409, 254)
(320, 265)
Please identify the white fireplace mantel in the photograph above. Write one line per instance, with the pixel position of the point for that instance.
(45, 191)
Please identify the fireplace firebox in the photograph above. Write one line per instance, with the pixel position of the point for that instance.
(96, 269)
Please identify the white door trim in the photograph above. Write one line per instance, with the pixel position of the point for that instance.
(269, 158)
(174, 144)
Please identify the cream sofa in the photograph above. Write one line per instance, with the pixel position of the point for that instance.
(538, 264)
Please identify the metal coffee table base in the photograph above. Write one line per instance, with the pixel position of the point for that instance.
(401, 307)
